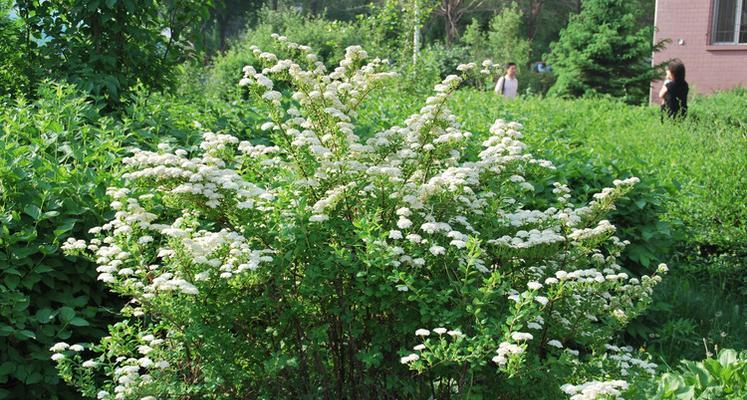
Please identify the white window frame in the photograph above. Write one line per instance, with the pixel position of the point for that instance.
(737, 23)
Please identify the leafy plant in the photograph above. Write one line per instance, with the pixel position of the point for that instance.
(56, 155)
(502, 42)
(724, 378)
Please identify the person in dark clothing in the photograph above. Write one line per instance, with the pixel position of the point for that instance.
(675, 90)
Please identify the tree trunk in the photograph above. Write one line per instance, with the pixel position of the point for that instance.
(534, 11)
(223, 30)
(449, 23)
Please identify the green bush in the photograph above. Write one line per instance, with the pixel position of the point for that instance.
(310, 268)
(56, 155)
(568, 135)
(107, 47)
(502, 42)
(693, 177)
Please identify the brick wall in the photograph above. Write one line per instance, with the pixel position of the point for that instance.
(687, 24)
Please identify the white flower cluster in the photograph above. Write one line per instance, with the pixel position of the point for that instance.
(71, 244)
(204, 176)
(595, 390)
(58, 350)
(603, 228)
(506, 350)
(423, 333)
(625, 360)
(132, 373)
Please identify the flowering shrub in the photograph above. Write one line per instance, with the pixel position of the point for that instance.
(309, 268)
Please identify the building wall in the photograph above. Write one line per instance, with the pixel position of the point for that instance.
(687, 24)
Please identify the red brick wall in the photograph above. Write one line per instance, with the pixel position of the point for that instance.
(708, 67)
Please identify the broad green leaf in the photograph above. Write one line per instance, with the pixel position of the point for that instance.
(44, 315)
(78, 321)
(66, 314)
(11, 281)
(33, 211)
(7, 368)
(26, 334)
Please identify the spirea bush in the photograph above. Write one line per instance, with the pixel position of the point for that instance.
(402, 265)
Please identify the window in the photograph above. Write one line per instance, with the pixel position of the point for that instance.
(729, 22)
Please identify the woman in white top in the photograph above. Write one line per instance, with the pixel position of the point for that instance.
(508, 85)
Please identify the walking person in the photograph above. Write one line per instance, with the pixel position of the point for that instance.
(508, 85)
(674, 91)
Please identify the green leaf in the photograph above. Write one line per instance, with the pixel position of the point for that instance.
(6, 330)
(66, 314)
(44, 315)
(25, 333)
(7, 368)
(65, 227)
(50, 214)
(43, 268)
(11, 281)
(78, 321)
(34, 378)
(22, 252)
(33, 211)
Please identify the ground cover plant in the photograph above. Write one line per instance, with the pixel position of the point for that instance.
(410, 263)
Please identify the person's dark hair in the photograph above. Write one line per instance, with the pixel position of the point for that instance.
(677, 69)
(511, 64)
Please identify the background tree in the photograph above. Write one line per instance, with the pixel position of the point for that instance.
(452, 12)
(603, 50)
(503, 42)
(13, 63)
(107, 46)
(227, 19)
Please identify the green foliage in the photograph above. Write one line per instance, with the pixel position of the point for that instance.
(689, 312)
(502, 42)
(328, 39)
(55, 155)
(723, 378)
(107, 46)
(604, 51)
(573, 136)
(693, 175)
(13, 62)
(535, 83)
